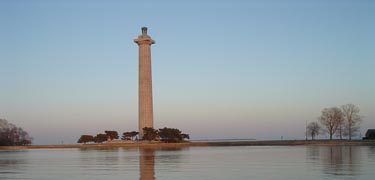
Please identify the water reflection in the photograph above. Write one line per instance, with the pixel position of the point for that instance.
(166, 160)
(336, 160)
(286, 162)
(147, 164)
(313, 153)
(100, 159)
(371, 153)
(132, 162)
(11, 162)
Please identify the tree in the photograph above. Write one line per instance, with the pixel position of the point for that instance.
(352, 119)
(126, 136)
(85, 139)
(172, 135)
(340, 130)
(11, 135)
(133, 134)
(185, 136)
(100, 138)
(149, 133)
(112, 135)
(331, 118)
(313, 129)
(129, 135)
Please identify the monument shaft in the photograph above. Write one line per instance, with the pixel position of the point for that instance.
(145, 108)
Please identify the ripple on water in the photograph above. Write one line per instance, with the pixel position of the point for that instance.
(219, 163)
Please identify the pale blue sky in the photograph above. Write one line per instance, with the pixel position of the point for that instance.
(221, 69)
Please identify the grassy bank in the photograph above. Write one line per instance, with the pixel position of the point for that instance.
(192, 144)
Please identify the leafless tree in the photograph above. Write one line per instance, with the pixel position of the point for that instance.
(331, 119)
(340, 130)
(11, 135)
(313, 129)
(352, 119)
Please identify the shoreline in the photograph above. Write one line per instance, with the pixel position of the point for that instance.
(197, 144)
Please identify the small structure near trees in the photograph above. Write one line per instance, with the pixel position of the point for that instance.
(370, 135)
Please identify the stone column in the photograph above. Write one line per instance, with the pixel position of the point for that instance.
(145, 110)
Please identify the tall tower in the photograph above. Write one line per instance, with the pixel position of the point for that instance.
(145, 111)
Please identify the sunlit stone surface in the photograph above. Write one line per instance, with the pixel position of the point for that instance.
(145, 109)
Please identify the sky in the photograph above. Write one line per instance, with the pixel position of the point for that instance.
(221, 69)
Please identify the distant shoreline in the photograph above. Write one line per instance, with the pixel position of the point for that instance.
(197, 144)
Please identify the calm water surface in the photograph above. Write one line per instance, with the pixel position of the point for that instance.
(194, 163)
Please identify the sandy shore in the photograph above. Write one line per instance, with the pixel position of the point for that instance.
(192, 144)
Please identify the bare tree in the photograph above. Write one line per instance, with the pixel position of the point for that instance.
(352, 119)
(340, 130)
(11, 135)
(331, 119)
(313, 129)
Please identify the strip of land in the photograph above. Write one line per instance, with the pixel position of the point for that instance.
(195, 144)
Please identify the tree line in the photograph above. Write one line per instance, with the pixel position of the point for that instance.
(341, 121)
(165, 134)
(11, 135)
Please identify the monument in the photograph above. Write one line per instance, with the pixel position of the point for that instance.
(145, 110)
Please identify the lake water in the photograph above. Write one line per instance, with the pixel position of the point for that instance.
(194, 163)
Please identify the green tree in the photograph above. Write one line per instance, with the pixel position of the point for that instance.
(185, 136)
(149, 133)
(126, 136)
(85, 139)
(129, 135)
(100, 138)
(172, 135)
(112, 135)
